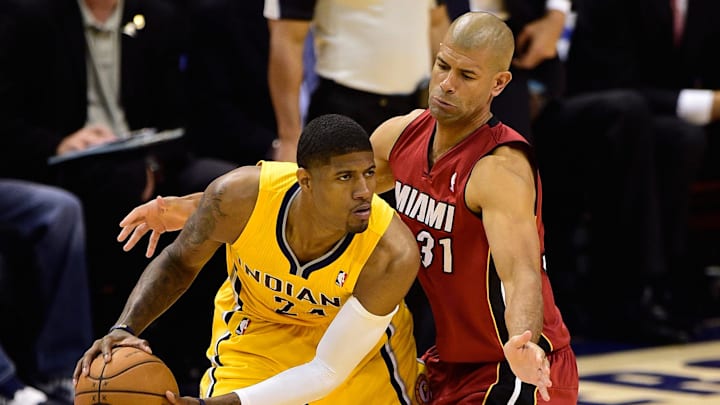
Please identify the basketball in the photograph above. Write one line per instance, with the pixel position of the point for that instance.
(132, 377)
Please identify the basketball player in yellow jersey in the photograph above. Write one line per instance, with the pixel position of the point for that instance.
(311, 311)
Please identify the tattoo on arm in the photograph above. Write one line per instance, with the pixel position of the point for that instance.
(202, 226)
(173, 271)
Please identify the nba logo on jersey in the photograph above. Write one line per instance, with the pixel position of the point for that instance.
(242, 327)
(422, 388)
(340, 280)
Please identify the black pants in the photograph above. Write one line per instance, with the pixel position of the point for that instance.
(367, 109)
(608, 162)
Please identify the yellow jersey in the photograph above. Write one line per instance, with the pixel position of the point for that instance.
(272, 310)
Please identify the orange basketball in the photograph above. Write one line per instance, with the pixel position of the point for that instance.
(132, 377)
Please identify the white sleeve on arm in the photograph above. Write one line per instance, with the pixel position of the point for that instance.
(561, 5)
(695, 106)
(350, 336)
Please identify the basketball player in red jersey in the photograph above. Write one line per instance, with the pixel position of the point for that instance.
(467, 187)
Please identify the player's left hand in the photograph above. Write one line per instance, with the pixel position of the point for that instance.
(175, 399)
(528, 362)
(226, 399)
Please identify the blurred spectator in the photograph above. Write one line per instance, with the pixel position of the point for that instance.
(45, 301)
(371, 60)
(602, 213)
(80, 73)
(13, 391)
(641, 144)
(647, 35)
(231, 116)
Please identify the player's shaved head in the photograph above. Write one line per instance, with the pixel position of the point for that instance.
(483, 31)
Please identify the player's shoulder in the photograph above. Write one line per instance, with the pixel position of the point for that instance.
(399, 122)
(394, 261)
(389, 131)
(404, 120)
(398, 241)
(503, 161)
(493, 174)
(399, 247)
(236, 186)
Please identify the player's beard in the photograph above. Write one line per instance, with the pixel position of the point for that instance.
(359, 228)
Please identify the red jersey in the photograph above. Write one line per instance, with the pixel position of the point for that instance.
(457, 269)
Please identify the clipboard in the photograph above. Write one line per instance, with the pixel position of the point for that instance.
(137, 140)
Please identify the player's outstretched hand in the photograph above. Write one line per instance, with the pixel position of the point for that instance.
(156, 216)
(528, 362)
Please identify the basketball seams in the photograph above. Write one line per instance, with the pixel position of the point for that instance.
(132, 377)
(143, 393)
(99, 379)
(126, 369)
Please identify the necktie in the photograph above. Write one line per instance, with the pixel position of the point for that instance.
(678, 13)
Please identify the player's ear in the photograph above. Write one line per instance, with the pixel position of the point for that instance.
(303, 176)
(501, 80)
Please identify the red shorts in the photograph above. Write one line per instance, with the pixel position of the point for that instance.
(494, 383)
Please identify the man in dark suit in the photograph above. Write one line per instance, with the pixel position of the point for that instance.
(77, 74)
(624, 59)
(636, 44)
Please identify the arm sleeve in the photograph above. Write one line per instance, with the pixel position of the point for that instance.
(560, 5)
(289, 9)
(695, 106)
(350, 336)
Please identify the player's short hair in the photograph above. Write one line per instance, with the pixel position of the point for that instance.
(330, 135)
(481, 30)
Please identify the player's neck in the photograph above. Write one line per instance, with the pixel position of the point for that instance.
(306, 233)
(449, 134)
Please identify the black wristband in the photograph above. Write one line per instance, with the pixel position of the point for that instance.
(124, 327)
(201, 401)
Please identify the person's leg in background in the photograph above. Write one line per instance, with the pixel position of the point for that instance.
(51, 221)
(12, 389)
(680, 148)
(610, 173)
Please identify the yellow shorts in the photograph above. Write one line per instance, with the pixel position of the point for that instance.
(387, 375)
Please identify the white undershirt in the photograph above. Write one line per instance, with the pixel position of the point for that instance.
(378, 46)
